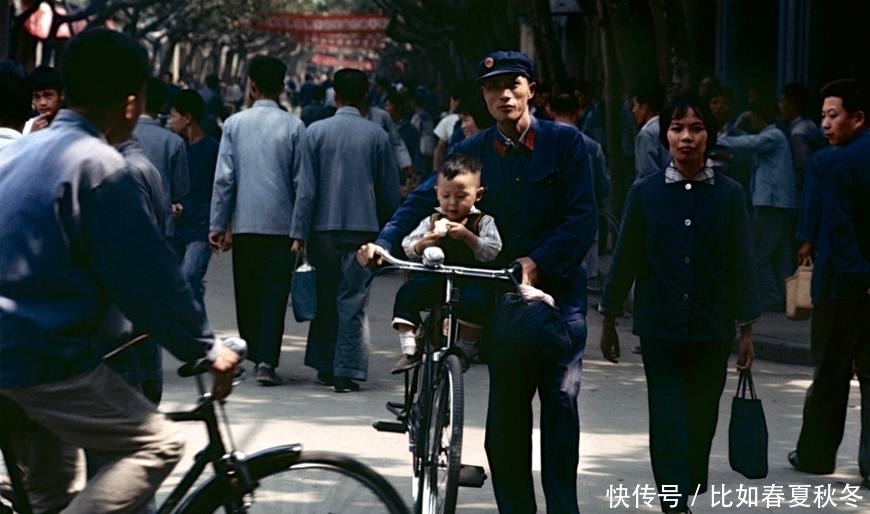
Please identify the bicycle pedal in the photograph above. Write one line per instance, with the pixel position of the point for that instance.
(390, 426)
(397, 409)
(471, 476)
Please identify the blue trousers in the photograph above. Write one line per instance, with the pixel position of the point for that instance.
(845, 347)
(193, 257)
(685, 380)
(262, 267)
(338, 337)
(473, 304)
(513, 382)
(774, 253)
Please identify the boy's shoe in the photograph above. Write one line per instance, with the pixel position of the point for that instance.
(406, 362)
(345, 385)
(266, 375)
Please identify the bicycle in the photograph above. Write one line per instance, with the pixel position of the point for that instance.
(279, 479)
(433, 407)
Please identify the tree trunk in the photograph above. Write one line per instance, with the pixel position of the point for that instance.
(633, 40)
(546, 41)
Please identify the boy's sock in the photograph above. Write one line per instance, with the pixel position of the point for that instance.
(408, 343)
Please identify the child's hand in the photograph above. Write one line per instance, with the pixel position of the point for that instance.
(430, 238)
(460, 232)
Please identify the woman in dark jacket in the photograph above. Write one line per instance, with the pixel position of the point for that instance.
(685, 242)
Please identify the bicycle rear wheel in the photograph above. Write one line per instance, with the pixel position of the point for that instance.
(292, 482)
(440, 471)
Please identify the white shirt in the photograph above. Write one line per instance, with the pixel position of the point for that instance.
(445, 127)
(7, 136)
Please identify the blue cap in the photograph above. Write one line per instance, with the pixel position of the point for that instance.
(505, 61)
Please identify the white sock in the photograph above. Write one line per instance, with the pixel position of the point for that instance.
(408, 343)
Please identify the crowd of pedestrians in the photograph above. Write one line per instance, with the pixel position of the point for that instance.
(120, 186)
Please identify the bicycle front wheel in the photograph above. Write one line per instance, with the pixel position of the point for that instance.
(305, 482)
(440, 478)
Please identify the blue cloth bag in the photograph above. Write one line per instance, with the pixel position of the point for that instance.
(303, 290)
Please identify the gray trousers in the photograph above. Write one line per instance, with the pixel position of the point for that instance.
(95, 411)
(338, 338)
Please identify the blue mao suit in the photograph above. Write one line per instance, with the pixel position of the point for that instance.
(841, 281)
(540, 193)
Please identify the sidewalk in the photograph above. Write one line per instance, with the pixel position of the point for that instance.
(780, 339)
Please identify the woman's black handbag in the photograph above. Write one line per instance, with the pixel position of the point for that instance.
(303, 290)
(747, 431)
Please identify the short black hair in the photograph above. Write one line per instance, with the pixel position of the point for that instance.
(188, 101)
(351, 85)
(45, 77)
(650, 93)
(678, 107)
(459, 164)
(851, 92)
(723, 91)
(765, 108)
(474, 106)
(213, 81)
(156, 93)
(564, 104)
(798, 94)
(399, 101)
(268, 73)
(101, 68)
(15, 105)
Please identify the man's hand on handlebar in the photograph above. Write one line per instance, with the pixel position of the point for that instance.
(369, 255)
(530, 271)
(223, 370)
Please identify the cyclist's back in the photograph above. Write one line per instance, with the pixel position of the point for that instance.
(78, 238)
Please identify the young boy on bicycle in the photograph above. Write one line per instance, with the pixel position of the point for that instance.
(468, 237)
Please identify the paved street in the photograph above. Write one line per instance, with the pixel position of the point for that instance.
(613, 412)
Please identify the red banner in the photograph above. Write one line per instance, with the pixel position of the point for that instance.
(337, 62)
(344, 41)
(300, 24)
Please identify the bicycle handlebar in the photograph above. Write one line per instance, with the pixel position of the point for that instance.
(197, 367)
(433, 258)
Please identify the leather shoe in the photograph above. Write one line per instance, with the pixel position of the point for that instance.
(406, 362)
(866, 483)
(795, 462)
(345, 385)
(325, 378)
(266, 375)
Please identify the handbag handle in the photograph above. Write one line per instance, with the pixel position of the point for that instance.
(301, 258)
(742, 383)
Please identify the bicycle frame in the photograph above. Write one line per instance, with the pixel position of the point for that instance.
(422, 409)
(229, 466)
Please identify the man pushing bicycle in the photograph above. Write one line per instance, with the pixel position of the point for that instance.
(539, 187)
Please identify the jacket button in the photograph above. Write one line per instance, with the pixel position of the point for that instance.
(687, 222)
(687, 260)
(685, 296)
(688, 187)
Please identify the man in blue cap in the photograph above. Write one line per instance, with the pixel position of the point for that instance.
(539, 188)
